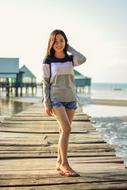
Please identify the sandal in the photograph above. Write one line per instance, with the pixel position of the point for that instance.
(69, 174)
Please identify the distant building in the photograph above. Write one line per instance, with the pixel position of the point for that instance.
(13, 77)
(81, 80)
(28, 76)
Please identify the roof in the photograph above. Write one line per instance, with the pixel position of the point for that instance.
(78, 75)
(27, 72)
(9, 66)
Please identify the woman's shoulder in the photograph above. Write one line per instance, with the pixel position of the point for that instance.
(47, 60)
(70, 57)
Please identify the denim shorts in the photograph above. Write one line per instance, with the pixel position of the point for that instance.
(67, 105)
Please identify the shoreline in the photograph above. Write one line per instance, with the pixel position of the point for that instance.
(109, 102)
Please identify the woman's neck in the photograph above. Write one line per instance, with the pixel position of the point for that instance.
(59, 54)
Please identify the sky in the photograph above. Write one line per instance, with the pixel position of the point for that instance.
(96, 28)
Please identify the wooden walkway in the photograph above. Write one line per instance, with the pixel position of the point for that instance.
(28, 150)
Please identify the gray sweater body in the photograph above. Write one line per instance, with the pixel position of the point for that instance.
(58, 77)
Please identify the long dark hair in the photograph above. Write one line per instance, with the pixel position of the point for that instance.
(52, 38)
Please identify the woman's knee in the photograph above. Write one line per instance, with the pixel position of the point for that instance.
(66, 129)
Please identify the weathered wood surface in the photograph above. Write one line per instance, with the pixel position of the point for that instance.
(28, 151)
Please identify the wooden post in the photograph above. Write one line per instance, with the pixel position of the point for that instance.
(7, 87)
(7, 91)
(16, 91)
(21, 90)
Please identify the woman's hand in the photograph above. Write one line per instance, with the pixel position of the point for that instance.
(48, 110)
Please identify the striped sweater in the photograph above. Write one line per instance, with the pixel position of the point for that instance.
(58, 77)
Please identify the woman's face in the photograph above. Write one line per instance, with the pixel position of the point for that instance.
(59, 44)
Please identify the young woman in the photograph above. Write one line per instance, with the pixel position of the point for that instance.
(60, 92)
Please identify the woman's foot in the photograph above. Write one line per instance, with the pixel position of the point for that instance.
(66, 170)
(58, 163)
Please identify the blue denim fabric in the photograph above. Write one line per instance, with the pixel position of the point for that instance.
(67, 105)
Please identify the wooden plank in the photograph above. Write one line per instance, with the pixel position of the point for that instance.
(96, 159)
(79, 147)
(23, 180)
(42, 152)
(40, 114)
(37, 130)
(47, 122)
(26, 147)
(46, 126)
(43, 118)
(80, 186)
(54, 155)
(55, 135)
(32, 122)
(43, 165)
(43, 128)
(40, 142)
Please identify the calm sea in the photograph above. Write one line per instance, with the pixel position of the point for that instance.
(109, 90)
(107, 118)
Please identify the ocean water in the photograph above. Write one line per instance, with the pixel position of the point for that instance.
(109, 91)
(114, 130)
(8, 107)
(107, 119)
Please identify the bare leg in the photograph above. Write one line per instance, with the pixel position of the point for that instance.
(64, 118)
(58, 163)
(70, 114)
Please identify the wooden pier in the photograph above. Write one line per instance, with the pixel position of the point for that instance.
(16, 89)
(28, 150)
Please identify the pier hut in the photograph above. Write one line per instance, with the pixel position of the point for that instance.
(28, 78)
(14, 79)
(9, 69)
(82, 82)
